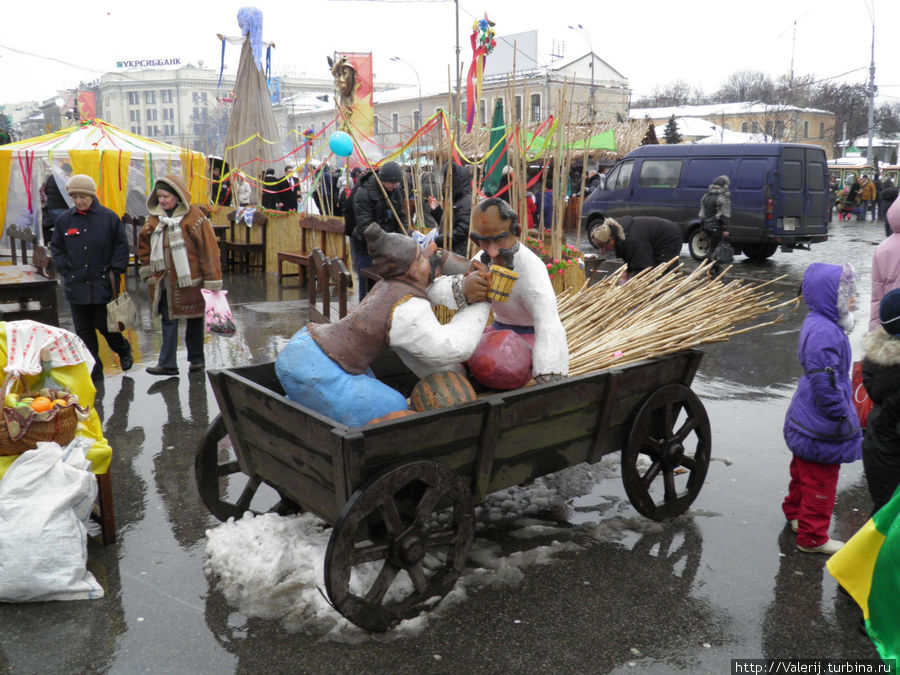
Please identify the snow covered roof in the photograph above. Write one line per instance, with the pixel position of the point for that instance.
(693, 127)
(729, 136)
(745, 108)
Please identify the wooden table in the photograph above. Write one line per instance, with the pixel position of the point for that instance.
(27, 294)
(220, 231)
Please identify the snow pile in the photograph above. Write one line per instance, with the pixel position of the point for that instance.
(272, 567)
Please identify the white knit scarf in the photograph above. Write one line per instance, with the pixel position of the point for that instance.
(176, 247)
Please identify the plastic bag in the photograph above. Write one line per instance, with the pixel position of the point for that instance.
(46, 497)
(219, 319)
(861, 398)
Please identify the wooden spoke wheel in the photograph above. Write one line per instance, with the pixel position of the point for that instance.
(665, 461)
(399, 544)
(219, 476)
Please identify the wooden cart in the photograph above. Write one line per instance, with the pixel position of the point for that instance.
(401, 493)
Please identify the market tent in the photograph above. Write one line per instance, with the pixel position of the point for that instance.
(124, 166)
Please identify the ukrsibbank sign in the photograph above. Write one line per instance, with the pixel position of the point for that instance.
(148, 63)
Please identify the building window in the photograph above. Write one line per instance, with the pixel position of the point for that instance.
(821, 129)
(168, 113)
(769, 127)
(166, 95)
(152, 130)
(323, 126)
(198, 146)
(195, 98)
(169, 129)
(417, 119)
(518, 108)
(152, 115)
(196, 114)
(725, 125)
(806, 130)
(754, 127)
(106, 102)
(482, 111)
(779, 129)
(136, 130)
(203, 97)
(134, 115)
(198, 130)
(395, 122)
(535, 107)
(375, 125)
(133, 98)
(744, 127)
(150, 97)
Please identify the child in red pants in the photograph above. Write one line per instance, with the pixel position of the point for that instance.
(821, 427)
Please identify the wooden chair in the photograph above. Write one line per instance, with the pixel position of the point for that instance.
(245, 250)
(314, 233)
(325, 273)
(103, 512)
(133, 225)
(41, 259)
(20, 236)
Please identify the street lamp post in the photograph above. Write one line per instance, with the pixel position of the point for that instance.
(418, 80)
(579, 28)
(871, 92)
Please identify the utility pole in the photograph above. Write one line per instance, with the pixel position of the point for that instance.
(871, 93)
(456, 98)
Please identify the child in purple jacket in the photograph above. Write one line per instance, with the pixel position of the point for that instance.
(821, 427)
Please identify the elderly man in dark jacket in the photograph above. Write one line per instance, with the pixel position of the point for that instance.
(641, 241)
(88, 244)
(370, 206)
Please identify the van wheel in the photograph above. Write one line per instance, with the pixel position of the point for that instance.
(759, 252)
(698, 244)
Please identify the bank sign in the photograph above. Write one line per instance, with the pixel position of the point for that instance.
(148, 63)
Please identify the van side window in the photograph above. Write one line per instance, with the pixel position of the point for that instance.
(702, 172)
(660, 173)
(624, 176)
(815, 176)
(751, 174)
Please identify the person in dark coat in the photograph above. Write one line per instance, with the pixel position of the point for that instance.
(462, 209)
(715, 215)
(88, 243)
(641, 241)
(881, 378)
(55, 204)
(286, 191)
(270, 196)
(370, 206)
(821, 427)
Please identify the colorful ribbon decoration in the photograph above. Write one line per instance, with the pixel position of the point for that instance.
(483, 43)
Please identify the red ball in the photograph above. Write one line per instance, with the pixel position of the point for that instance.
(502, 360)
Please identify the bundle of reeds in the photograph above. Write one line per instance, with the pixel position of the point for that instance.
(658, 312)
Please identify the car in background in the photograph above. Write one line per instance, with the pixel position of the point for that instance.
(779, 193)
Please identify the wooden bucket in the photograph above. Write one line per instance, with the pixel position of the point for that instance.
(502, 282)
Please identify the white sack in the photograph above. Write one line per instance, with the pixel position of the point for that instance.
(46, 497)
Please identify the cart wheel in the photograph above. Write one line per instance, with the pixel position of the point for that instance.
(399, 544)
(671, 430)
(218, 473)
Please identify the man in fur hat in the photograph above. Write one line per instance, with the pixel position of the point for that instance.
(325, 367)
(641, 241)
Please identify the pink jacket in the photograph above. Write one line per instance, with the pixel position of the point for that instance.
(886, 264)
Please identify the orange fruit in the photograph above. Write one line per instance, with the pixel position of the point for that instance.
(41, 404)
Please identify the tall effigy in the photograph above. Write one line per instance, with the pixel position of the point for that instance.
(251, 114)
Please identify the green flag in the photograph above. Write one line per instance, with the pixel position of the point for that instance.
(498, 133)
(868, 567)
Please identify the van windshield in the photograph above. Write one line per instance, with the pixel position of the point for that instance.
(620, 176)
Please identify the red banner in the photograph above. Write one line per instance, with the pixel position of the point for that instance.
(87, 106)
(362, 115)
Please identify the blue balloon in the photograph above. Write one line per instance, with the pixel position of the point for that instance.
(340, 143)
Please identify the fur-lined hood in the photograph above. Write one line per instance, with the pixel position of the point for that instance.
(881, 348)
(173, 184)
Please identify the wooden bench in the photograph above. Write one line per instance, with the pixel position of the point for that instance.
(314, 233)
(325, 273)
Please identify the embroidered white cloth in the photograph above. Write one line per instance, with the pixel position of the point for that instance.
(246, 214)
(29, 342)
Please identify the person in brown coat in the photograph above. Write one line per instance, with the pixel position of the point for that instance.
(867, 194)
(179, 256)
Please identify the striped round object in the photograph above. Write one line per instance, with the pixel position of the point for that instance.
(441, 390)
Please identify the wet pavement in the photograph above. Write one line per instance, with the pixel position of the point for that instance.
(719, 583)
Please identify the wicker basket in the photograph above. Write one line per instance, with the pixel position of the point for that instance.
(22, 428)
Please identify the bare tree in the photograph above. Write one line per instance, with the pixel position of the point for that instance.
(674, 93)
(746, 85)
